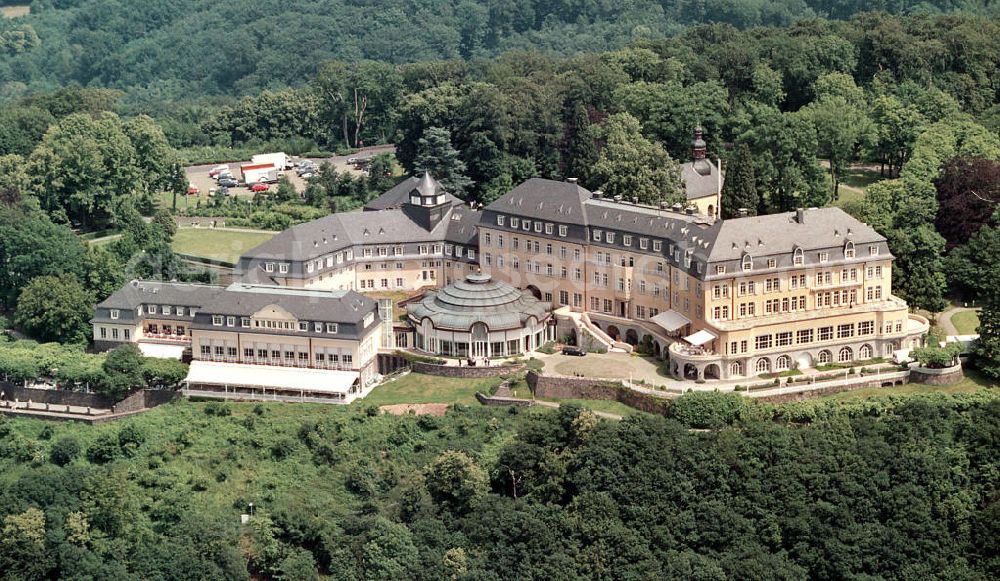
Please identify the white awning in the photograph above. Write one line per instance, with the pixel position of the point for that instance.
(700, 338)
(162, 351)
(268, 377)
(670, 320)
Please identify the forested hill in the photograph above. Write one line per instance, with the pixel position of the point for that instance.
(180, 48)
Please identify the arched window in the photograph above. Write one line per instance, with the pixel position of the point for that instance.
(825, 357)
(735, 368)
(865, 352)
(747, 262)
(845, 355)
(782, 363)
(849, 249)
(763, 365)
(797, 258)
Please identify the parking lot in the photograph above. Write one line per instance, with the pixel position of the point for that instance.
(198, 174)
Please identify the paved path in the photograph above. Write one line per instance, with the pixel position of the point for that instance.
(944, 319)
(554, 405)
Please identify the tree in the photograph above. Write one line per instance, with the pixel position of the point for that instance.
(740, 188)
(23, 553)
(380, 172)
(632, 166)
(123, 371)
(436, 155)
(840, 126)
(32, 246)
(55, 308)
(286, 190)
(965, 265)
(454, 480)
(986, 351)
(582, 154)
(968, 193)
(64, 450)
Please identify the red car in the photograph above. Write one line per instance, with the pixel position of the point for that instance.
(259, 188)
(193, 190)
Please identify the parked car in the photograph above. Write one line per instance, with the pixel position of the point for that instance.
(224, 175)
(215, 171)
(304, 169)
(259, 188)
(228, 182)
(193, 190)
(307, 176)
(574, 351)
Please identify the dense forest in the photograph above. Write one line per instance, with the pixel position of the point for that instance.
(178, 48)
(883, 489)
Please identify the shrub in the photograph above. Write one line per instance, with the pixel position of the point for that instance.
(704, 409)
(937, 357)
(548, 348)
(64, 450)
(217, 408)
(104, 449)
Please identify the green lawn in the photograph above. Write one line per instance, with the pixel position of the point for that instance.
(965, 322)
(973, 382)
(419, 388)
(599, 405)
(218, 244)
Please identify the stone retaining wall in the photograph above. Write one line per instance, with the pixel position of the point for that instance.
(54, 396)
(492, 400)
(582, 388)
(465, 372)
(928, 376)
(873, 382)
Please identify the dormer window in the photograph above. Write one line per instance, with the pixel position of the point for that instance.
(331, 328)
(563, 230)
(747, 263)
(548, 228)
(500, 220)
(415, 200)
(611, 237)
(217, 320)
(526, 225)
(152, 309)
(514, 222)
(873, 250)
(166, 309)
(115, 313)
(797, 258)
(849, 249)
(824, 256)
(598, 235)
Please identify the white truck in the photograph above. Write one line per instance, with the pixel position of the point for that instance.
(278, 160)
(259, 173)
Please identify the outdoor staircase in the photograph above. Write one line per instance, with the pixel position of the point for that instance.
(584, 326)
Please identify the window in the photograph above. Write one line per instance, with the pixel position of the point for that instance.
(865, 352)
(548, 228)
(849, 249)
(763, 365)
(782, 363)
(610, 237)
(151, 309)
(797, 257)
(824, 256)
(486, 238)
(845, 331)
(538, 227)
(772, 263)
(500, 220)
(331, 327)
(643, 243)
(825, 333)
(784, 339)
(245, 322)
(597, 235)
(526, 225)
(104, 333)
(747, 262)
(217, 320)
(115, 313)
(763, 341)
(866, 328)
(283, 267)
(230, 321)
(626, 240)
(845, 355)
(563, 230)
(514, 222)
(873, 250)
(563, 297)
(206, 350)
(804, 336)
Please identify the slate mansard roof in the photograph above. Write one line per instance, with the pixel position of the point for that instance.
(710, 242)
(136, 293)
(398, 195)
(336, 306)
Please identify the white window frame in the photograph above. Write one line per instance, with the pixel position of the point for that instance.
(332, 328)
(115, 313)
(217, 320)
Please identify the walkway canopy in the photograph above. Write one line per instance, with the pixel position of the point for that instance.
(162, 351)
(211, 373)
(670, 320)
(700, 338)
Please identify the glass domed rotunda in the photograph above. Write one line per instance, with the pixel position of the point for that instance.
(480, 317)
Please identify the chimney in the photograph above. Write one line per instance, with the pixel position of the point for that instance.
(677, 207)
(618, 198)
(572, 180)
(598, 194)
(689, 210)
(800, 215)
(698, 145)
(743, 212)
